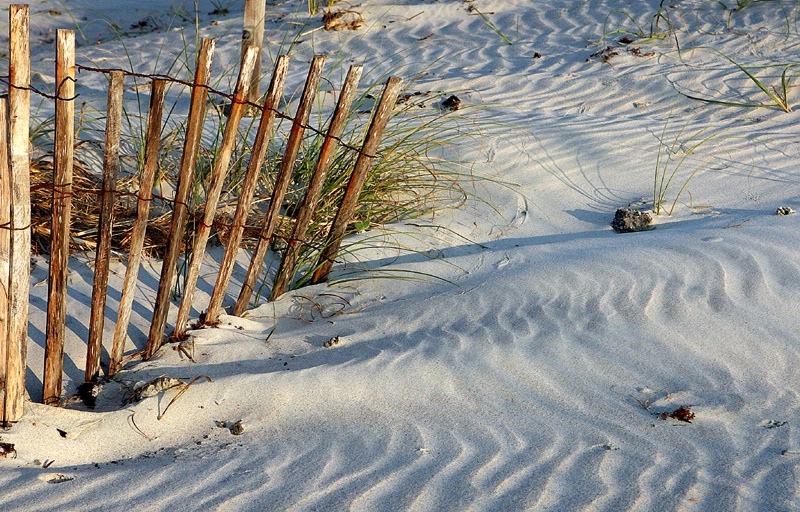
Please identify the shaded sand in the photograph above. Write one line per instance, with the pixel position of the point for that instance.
(534, 374)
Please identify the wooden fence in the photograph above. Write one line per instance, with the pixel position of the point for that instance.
(15, 206)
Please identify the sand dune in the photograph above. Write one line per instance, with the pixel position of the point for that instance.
(535, 377)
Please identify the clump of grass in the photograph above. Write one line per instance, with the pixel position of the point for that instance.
(673, 153)
(659, 26)
(740, 4)
(472, 9)
(417, 171)
(778, 96)
(314, 5)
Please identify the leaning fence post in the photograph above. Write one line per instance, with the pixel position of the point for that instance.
(249, 184)
(20, 254)
(308, 206)
(103, 251)
(140, 224)
(5, 249)
(62, 205)
(218, 174)
(356, 183)
(281, 183)
(194, 130)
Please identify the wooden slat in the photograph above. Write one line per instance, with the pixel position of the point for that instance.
(5, 250)
(181, 209)
(62, 206)
(218, 174)
(356, 183)
(249, 184)
(253, 36)
(139, 229)
(106, 223)
(20, 254)
(309, 204)
(281, 183)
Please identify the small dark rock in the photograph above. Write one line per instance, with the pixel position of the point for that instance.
(628, 220)
(7, 450)
(237, 428)
(452, 103)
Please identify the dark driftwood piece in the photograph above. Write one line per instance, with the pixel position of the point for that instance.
(308, 206)
(356, 183)
(103, 251)
(62, 206)
(281, 183)
(249, 184)
(218, 174)
(180, 212)
(140, 224)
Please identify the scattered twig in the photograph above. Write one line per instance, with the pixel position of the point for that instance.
(136, 427)
(342, 19)
(181, 347)
(181, 392)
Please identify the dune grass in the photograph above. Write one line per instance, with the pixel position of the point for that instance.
(673, 153)
(776, 96)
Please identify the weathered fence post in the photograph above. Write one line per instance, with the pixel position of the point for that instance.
(140, 224)
(5, 250)
(194, 130)
(356, 183)
(218, 174)
(62, 205)
(257, 157)
(281, 183)
(307, 207)
(253, 36)
(20, 253)
(106, 223)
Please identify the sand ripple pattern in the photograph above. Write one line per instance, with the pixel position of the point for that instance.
(510, 433)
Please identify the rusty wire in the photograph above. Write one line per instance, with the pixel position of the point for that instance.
(196, 216)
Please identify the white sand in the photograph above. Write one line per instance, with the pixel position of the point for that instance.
(521, 383)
